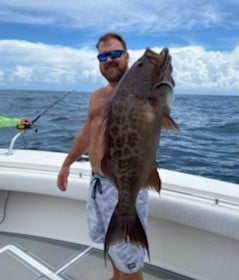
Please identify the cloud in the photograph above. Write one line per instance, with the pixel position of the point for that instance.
(197, 68)
(21, 73)
(45, 65)
(121, 15)
(41, 66)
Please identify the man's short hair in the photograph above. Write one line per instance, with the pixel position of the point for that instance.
(111, 35)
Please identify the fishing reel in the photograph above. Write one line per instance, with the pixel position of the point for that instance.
(26, 126)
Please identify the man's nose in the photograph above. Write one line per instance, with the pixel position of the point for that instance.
(108, 58)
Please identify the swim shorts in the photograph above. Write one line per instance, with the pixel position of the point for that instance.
(102, 199)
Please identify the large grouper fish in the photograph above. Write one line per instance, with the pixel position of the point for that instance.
(138, 111)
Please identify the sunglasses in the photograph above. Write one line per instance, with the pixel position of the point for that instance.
(102, 57)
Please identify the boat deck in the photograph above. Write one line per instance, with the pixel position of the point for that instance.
(44, 259)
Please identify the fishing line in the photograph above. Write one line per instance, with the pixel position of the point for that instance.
(30, 126)
(51, 106)
(22, 127)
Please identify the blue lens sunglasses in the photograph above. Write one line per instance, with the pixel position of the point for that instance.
(102, 57)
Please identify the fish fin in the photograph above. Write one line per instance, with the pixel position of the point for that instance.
(126, 228)
(159, 101)
(154, 180)
(169, 123)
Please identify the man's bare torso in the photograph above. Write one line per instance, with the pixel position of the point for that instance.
(100, 101)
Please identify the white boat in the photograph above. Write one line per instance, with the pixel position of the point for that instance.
(193, 228)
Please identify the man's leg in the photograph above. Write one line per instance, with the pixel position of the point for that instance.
(119, 275)
(116, 272)
(134, 276)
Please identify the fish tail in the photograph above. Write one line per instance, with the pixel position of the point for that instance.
(126, 228)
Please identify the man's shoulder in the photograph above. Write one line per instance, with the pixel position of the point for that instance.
(100, 91)
(99, 101)
(103, 93)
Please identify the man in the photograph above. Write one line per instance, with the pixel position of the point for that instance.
(127, 259)
(13, 121)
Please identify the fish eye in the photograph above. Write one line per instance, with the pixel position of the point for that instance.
(140, 64)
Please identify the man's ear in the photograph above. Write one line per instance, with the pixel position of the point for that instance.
(127, 56)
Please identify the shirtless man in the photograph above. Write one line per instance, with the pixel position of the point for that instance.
(127, 259)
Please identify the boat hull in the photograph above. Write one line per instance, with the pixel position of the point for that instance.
(193, 225)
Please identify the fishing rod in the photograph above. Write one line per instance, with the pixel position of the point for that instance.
(30, 126)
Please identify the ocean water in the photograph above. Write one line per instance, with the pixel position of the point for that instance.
(207, 144)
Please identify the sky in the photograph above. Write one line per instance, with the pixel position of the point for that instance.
(50, 45)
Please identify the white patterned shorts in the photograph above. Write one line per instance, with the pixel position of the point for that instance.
(102, 199)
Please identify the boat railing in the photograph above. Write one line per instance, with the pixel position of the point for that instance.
(206, 194)
(208, 197)
(13, 141)
(17, 135)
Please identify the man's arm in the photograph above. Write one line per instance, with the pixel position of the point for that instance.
(8, 122)
(13, 121)
(79, 146)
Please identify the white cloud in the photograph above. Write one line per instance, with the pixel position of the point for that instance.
(141, 15)
(41, 66)
(197, 68)
(45, 65)
(22, 73)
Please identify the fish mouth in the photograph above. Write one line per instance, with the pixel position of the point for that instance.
(161, 59)
(163, 83)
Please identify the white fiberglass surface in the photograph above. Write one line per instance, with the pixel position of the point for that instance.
(30, 258)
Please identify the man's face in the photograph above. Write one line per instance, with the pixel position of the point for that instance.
(113, 69)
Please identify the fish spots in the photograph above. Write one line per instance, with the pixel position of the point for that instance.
(119, 108)
(117, 153)
(126, 163)
(121, 164)
(132, 136)
(120, 119)
(124, 142)
(120, 142)
(114, 130)
(124, 202)
(132, 139)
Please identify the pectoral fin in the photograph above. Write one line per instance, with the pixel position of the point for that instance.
(169, 123)
(154, 180)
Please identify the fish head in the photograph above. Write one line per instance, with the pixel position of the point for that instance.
(151, 72)
(161, 67)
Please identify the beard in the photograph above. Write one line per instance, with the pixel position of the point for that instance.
(113, 72)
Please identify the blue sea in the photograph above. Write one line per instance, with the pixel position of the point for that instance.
(207, 144)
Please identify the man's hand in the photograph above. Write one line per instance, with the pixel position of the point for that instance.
(24, 121)
(62, 179)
